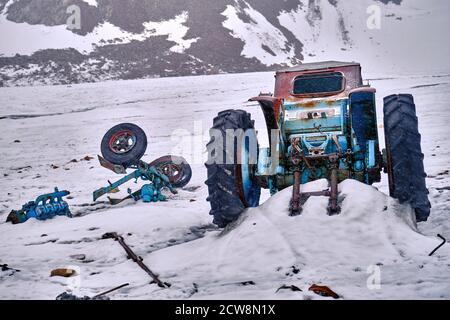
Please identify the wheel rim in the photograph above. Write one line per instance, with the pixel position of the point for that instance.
(122, 142)
(172, 171)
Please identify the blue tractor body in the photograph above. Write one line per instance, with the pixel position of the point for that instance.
(340, 122)
(345, 125)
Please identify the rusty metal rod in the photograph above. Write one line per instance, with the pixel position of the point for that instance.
(333, 207)
(323, 156)
(135, 258)
(325, 193)
(295, 202)
(112, 290)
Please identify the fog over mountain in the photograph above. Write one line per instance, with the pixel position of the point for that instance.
(131, 39)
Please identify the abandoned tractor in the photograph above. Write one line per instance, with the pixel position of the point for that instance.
(322, 123)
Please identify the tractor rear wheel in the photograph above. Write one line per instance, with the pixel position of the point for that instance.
(230, 182)
(403, 154)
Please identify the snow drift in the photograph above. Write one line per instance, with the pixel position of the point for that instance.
(263, 251)
(269, 248)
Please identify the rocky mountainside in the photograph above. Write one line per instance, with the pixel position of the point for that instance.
(131, 39)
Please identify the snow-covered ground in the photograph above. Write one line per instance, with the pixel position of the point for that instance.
(45, 128)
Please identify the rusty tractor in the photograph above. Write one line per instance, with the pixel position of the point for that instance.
(322, 123)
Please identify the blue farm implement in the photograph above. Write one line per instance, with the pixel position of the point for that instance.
(44, 207)
(322, 123)
(122, 148)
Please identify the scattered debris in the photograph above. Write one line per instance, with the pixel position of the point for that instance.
(155, 180)
(323, 291)
(70, 297)
(295, 269)
(439, 246)
(79, 257)
(54, 167)
(442, 173)
(134, 195)
(122, 148)
(195, 289)
(5, 267)
(39, 243)
(135, 258)
(63, 272)
(292, 287)
(21, 168)
(109, 291)
(192, 188)
(44, 207)
(86, 158)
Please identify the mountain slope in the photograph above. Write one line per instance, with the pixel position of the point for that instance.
(146, 38)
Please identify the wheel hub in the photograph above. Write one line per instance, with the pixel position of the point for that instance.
(172, 171)
(122, 142)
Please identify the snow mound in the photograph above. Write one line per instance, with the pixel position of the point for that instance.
(268, 249)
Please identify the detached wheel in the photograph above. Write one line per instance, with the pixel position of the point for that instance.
(175, 168)
(404, 156)
(230, 182)
(124, 144)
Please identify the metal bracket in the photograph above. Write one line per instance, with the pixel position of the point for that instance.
(297, 159)
(110, 166)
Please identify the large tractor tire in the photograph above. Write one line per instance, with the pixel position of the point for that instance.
(230, 183)
(124, 144)
(403, 154)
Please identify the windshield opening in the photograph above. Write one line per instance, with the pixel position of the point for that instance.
(319, 83)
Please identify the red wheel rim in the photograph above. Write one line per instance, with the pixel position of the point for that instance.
(122, 141)
(172, 171)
